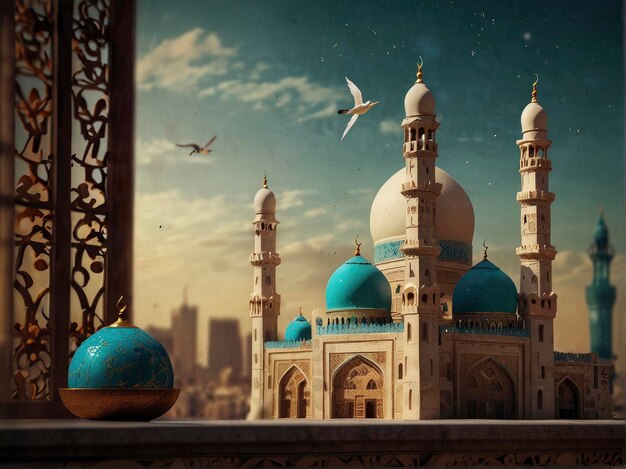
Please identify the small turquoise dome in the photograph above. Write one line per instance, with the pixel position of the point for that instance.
(484, 289)
(120, 357)
(298, 329)
(358, 284)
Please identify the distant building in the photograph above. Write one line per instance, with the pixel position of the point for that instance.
(164, 336)
(601, 294)
(224, 348)
(184, 330)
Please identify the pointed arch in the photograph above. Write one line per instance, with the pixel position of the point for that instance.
(567, 399)
(488, 391)
(293, 394)
(357, 388)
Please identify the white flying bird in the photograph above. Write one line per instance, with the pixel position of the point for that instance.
(359, 108)
(204, 150)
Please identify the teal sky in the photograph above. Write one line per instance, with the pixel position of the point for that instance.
(267, 79)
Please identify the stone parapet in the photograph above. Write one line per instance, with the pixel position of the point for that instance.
(201, 443)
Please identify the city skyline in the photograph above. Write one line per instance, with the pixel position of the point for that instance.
(271, 94)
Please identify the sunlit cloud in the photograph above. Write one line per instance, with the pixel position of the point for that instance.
(390, 127)
(183, 61)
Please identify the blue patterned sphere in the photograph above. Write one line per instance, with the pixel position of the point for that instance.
(121, 357)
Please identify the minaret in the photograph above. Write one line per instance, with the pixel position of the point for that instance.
(601, 294)
(537, 302)
(420, 295)
(264, 301)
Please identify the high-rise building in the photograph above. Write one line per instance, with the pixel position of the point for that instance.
(164, 336)
(601, 294)
(184, 330)
(224, 348)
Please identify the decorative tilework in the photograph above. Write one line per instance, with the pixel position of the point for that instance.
(360, 328)
(572, 357)
(506, 332)
(288, 344)
(455, 251)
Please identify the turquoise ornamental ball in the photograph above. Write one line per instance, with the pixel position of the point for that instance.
(121, 356)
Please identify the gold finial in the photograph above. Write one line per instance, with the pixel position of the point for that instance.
(300, 310)
(357, 251)
(419, 69)
(601, 212)
(534, 94)
(122, 320)
(264, 179)
(485, 246)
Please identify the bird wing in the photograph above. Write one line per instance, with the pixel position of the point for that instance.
(350, 124)
(356, 92)
(207, 144)
(188, 145)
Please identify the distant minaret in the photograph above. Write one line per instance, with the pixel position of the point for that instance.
(601, 294)
(264, 301)
(537, 302)
(420, 295)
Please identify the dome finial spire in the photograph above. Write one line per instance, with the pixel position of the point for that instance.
(300, 310)
(122, 318)
(357, 251)
(264, 179)
(601, 212)
(419, 69)
(534, 93)
(485, 246)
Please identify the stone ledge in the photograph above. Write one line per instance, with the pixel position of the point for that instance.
(365, 443)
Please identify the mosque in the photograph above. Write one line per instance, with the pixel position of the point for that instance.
(421, 333)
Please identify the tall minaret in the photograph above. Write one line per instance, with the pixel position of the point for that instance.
(537, 302)
(601, 294)
(264, 301)
(420, 295)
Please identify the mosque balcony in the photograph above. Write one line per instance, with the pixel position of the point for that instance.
(410, 149)
(540, 142)
(418, 247)
(530, 196)
(536, 251)
(534, 163)
(264, 258)
(411, 189)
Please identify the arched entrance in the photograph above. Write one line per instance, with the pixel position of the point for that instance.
(488, 393)
(567, 400)
(358, 390)
(293, 394)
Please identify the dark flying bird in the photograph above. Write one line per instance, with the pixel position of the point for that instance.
(201, 150)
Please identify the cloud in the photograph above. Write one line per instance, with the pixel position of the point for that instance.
(390, 127)
(183, 61)
(316, 212)
(293, 198)
(304, 99)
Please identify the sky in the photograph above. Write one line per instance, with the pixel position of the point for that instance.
(268, 77)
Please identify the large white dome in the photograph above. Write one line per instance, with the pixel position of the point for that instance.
(455, 214)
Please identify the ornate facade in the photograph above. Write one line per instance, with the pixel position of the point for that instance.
(423, 334)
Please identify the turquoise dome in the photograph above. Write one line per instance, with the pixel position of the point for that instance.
(484, 289)
(358, 284)
(298, 329)
(120, 357)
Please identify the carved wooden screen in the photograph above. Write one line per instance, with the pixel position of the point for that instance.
(66, 187)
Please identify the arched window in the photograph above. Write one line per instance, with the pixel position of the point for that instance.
(412, 135)
(541, 333)
(524, 219)
(371, 384)
(398, 289)
(424, 298)
(533, 280)
(400, 371)
(408, 332)
(410, 298)
(427, 273)
(540, 400)
(268, 280)
(531, 151)
(543, 372)
(410, 399)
